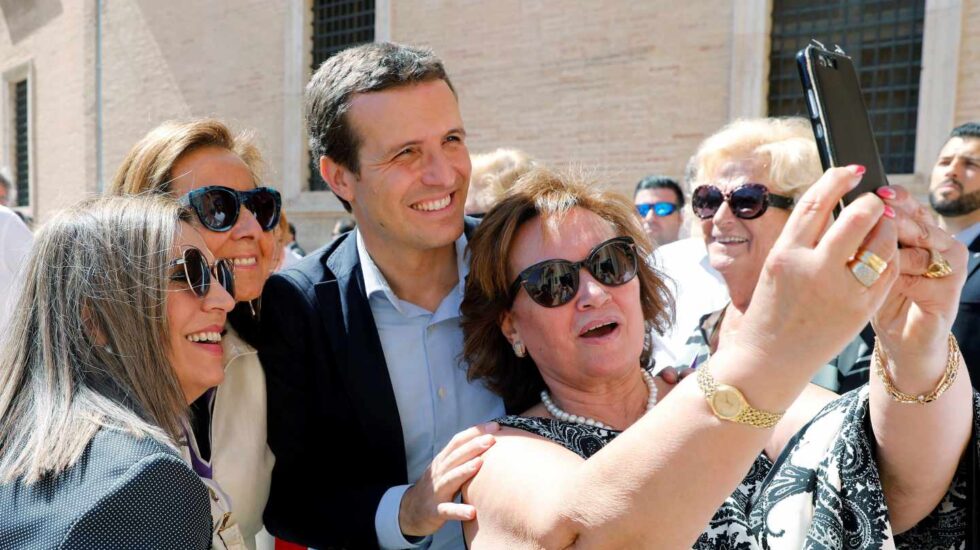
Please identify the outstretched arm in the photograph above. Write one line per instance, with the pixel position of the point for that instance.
(626, 495)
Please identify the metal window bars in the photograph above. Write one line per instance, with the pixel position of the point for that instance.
(883, 37)
(337, 24)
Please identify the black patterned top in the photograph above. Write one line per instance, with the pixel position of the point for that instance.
(823, 491)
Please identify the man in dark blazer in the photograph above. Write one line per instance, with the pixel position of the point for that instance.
(372, 420)
(954, 193)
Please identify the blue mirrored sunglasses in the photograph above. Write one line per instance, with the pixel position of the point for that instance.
(660, 209)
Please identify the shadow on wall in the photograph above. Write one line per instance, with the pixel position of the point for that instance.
(23, 18)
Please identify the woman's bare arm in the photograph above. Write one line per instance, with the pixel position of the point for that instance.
(627, 494)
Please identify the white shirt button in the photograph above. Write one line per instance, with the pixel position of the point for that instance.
(441, 392)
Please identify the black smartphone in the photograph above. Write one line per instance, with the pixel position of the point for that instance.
(839, 116)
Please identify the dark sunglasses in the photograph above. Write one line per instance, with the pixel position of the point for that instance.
(217, 207)
(660, 209)
(552, 283)
(748, 201)
(196, 272)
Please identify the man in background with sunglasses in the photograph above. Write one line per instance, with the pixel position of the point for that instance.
(659, 201)
(370, 413)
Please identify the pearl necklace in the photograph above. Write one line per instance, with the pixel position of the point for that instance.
(554, 411)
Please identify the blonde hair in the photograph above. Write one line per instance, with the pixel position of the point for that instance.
(87, 346)
(149, 164)
(493, 174)
(783, 147)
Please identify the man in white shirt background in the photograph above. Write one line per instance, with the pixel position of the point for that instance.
(15, 242)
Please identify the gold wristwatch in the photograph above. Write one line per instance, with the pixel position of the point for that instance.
(729, 404)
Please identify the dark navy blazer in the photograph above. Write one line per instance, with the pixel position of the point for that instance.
(966, 328)
(123, 492)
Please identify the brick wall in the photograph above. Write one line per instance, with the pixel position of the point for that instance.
(55, 46)
(968, 85)
(624, 88)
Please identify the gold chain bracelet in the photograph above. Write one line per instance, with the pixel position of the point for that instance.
(878, 360)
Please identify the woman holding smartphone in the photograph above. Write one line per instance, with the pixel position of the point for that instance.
(556, 306)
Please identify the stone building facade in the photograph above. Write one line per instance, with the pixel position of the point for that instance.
(619, 88)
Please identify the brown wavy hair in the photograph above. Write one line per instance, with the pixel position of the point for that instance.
(540, 192)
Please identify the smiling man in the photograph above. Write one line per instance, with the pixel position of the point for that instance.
(370, 411)
(954, 193)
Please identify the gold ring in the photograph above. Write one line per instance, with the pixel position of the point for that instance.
(938, 266)
(864, 273)
(873, 260)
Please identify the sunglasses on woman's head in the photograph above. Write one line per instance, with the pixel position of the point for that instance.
(217, 207)
(747, 201)
(193, 268)
(660, 209)
(552, 283)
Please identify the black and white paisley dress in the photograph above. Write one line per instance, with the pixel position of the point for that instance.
(822, 492)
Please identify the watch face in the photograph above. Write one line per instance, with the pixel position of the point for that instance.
(727, 402)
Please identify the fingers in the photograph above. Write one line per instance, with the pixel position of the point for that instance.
(451, 482)
(916, 227)
(685, 372)
(669, 375)
(812, 211)
(450, 511)
(469, 450)
(857, 223)
(914, 261)
(465, 436)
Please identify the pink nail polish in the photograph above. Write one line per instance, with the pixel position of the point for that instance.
(857, 169)
(885, 192)
(889, 211)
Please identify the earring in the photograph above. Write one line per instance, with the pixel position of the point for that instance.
(519, 349)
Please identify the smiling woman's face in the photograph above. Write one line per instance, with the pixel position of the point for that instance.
(600, 331)
(738, 248)
(251, 249)
(195, 352)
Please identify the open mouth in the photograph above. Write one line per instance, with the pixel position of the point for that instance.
(245, 262)
(434, 205)
(598, 331)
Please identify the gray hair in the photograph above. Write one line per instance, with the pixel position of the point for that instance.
(87, 346)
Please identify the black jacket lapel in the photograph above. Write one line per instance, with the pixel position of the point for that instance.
(357, 347)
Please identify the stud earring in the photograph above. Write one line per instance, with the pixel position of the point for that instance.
(519, 349)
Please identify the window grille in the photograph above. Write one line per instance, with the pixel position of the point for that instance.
(337, 25)
(22, 164)
(883, 37)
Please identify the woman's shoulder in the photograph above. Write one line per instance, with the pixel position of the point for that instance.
(124, 489)
(157, 501)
